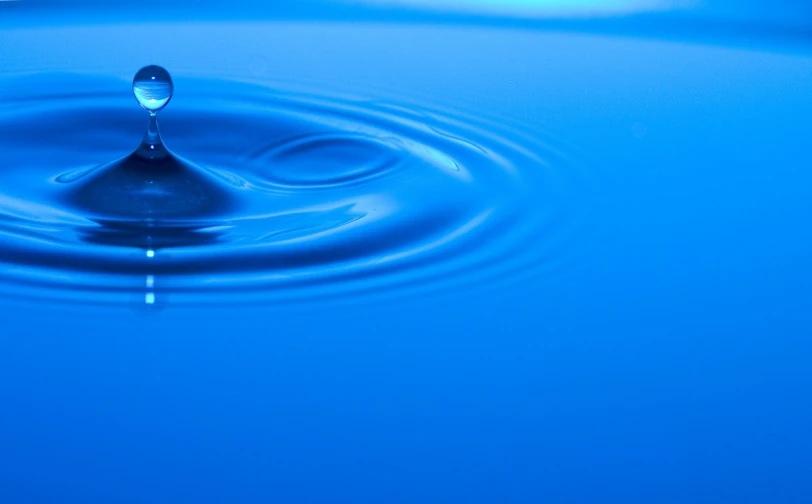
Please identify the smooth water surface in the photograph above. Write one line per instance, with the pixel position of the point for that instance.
(404, 263)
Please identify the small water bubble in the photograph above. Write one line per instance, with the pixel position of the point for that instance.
(153, 88)
(150, 253)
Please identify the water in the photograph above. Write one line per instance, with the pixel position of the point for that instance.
(386, 262)
(153, 88)
(282, 196)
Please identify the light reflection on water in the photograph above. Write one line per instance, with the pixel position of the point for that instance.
(540, 8)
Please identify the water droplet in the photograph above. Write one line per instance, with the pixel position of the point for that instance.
(152, 86)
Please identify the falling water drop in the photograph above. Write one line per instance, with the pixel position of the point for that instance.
(139, 192)
(153, 88)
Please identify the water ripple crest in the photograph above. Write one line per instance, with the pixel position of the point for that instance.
(314, 197)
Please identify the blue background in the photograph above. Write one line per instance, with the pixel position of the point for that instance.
(666, 359)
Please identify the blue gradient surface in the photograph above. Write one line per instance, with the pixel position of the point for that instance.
(635, 327)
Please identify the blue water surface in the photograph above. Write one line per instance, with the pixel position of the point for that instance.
(411, 252)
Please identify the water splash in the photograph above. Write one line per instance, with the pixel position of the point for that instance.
(294, 196)
(153, 88)
(151, 184)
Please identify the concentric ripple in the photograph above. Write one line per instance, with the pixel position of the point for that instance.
(314, 197)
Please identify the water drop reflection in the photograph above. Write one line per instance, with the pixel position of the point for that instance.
(150, 236)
